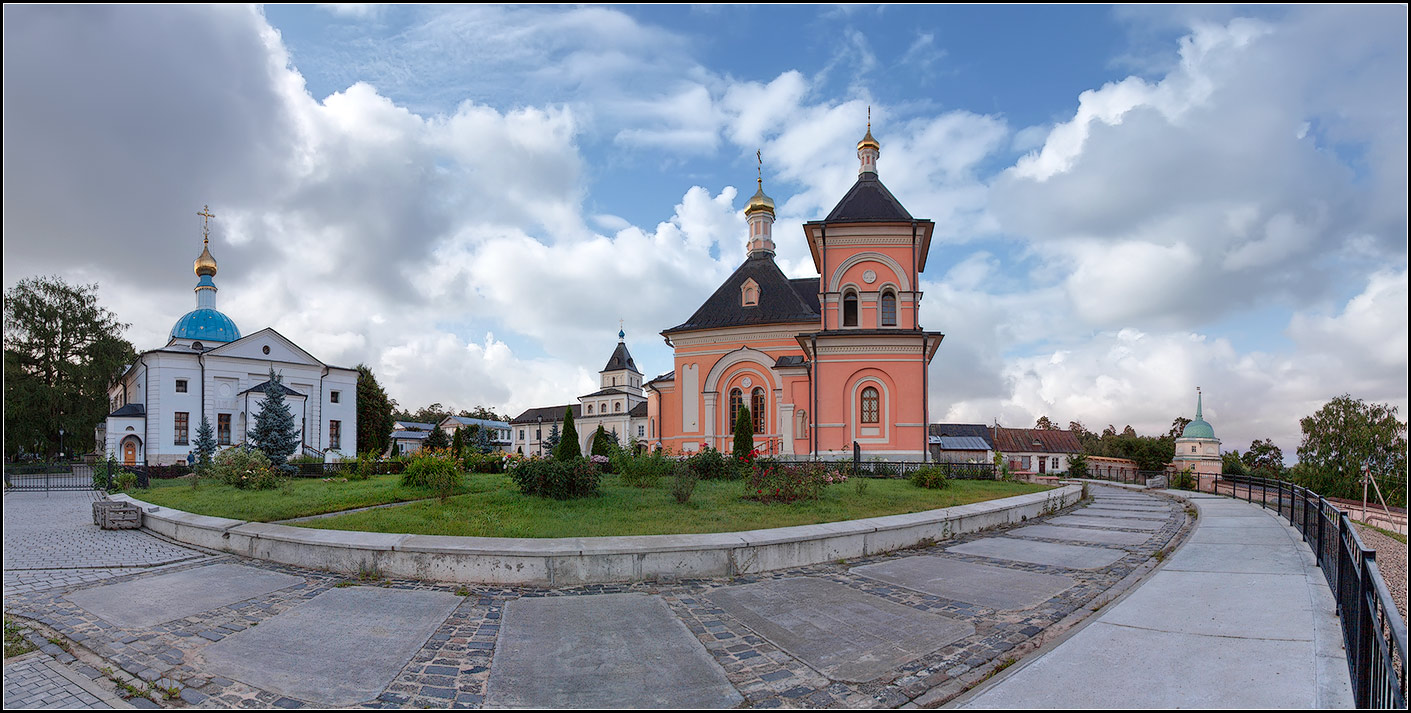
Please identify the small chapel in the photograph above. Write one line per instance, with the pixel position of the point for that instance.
(208, 370)
(824, 363)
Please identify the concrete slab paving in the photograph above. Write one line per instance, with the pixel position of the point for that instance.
(1122, 514)
(846, 634)
(994, 587)
(1237, 558)
(148, 601)
(602, 651)
(1082, 534)
(1138, 507)
(1107, 666)
(1127, 523)
(1017, 550)
(1239, 531)
(1268, 606)
(340, 648)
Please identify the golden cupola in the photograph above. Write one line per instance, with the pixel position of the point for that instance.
(759, 202)
(205, 264)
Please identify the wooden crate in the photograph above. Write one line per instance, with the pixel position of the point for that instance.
(114, 515)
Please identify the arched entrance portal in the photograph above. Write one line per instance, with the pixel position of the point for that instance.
(130, 446)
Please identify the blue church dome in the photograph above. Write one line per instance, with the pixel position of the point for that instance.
(207, 325)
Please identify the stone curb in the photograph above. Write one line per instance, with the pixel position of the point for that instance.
(558, 562)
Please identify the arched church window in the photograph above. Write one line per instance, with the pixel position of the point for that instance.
(803, 423)
(590, 408)
(617, 407)
(871, 405)
(736, 399)
(757, 409)
(889, 309)
(850, 309)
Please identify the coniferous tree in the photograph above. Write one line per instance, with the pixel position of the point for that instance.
(458, 442)
(744, 433)
(275, 432)
(552, 442)
(568, 448)
(205, 445)
(481, 443)
(600, 445)
(436, 440)
(374, 413)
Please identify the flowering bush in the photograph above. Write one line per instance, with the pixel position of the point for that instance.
(484, 462)
(246, 468)
(434, 469)
(933, 477)
(772, 482)
(643, 471)
(711, 464)
(560, 480)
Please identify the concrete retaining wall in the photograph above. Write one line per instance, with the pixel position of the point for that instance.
(585, 560)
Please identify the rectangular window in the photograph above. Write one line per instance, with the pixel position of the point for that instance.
(1025, 462)
(223, 429)
(521, 434)
(333, 396)
(1054, 465)
(641, 431)
(335, 434)
(182, 417)
(181, 386)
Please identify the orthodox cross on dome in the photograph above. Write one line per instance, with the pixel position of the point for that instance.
(759, 170)
(621, 331)
(206, 216)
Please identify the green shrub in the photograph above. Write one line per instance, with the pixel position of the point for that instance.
(645, 470)
(436, 470)
(683, 482)
(710, 464)
(1183, 480)
(560, 480)
(773, 482)
(931, 477)
(744, 435)
(305, 458)
(363, 468)
(125, 481)
(567, 448)
(245, 468)
(484, 462)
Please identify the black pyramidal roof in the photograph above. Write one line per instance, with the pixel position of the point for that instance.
(868, 202)
(620, 359)
(780, 299)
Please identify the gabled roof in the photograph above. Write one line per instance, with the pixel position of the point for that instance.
(638, 411)
(620, 359)
(550, 413)
(1033, 440)
(779, 299)
(868, 201)
(264, 386)
(482, 422)
(129, 410)
(414, 425)
(611, 390)
(963, 430)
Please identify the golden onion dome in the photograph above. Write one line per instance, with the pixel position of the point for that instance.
(868, 142)
(759, 202)
(205, 264)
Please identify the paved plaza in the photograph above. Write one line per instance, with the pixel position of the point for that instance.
(918, 626)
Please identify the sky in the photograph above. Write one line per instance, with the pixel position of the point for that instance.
(1130, 202)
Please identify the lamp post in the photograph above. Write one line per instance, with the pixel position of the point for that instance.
(61, 444)
(539, 433)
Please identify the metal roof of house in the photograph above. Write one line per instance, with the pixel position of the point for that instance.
(962, 443)
(780, 299)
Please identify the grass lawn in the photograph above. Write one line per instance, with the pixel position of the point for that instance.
(297, 497)
(494, 508)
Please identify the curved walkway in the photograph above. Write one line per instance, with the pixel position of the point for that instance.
(1239, 617)
(918, 626)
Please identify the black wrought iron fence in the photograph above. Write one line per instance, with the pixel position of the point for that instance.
(1372, 627)
(48, 476)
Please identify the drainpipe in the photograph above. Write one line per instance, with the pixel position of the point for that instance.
(925, 402)
(147, 417)
(813, 398)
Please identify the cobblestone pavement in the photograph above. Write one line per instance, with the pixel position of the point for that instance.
(31, 681)
(51, 541)
(452, 668)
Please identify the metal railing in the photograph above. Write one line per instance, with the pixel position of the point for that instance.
(1372, 627)
(46, 477)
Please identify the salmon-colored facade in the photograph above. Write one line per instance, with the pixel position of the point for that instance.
(822, 363)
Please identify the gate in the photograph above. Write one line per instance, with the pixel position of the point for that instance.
(44, 477)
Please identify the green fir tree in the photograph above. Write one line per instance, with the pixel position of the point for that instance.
(744, 433)
(568, 448)
(458, 442)
(205, 445)
(275, 433)
(436, 440)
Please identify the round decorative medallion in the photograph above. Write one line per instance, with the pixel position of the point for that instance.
(746, 382)
(266, 349)
(869, 277)
(224, 390)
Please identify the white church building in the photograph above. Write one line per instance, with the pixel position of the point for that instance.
(208, 369)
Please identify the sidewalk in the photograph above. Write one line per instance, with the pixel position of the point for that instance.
(1238, 617)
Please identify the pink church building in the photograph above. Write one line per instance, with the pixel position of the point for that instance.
(821, 362)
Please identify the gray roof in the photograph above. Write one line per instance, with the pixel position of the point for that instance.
(962, 443)
(972, 430)
(868, 201)
(482, 422)
(130, 410)
(415, 426)
(638, 411)
(611, 390)
(410, 435)
(550, 413)
(263, 386)
(790, 360)
(621, 359)
(780, 299)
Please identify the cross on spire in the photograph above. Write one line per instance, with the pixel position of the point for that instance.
(760, 168)
(869, 118)
(206, 216)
